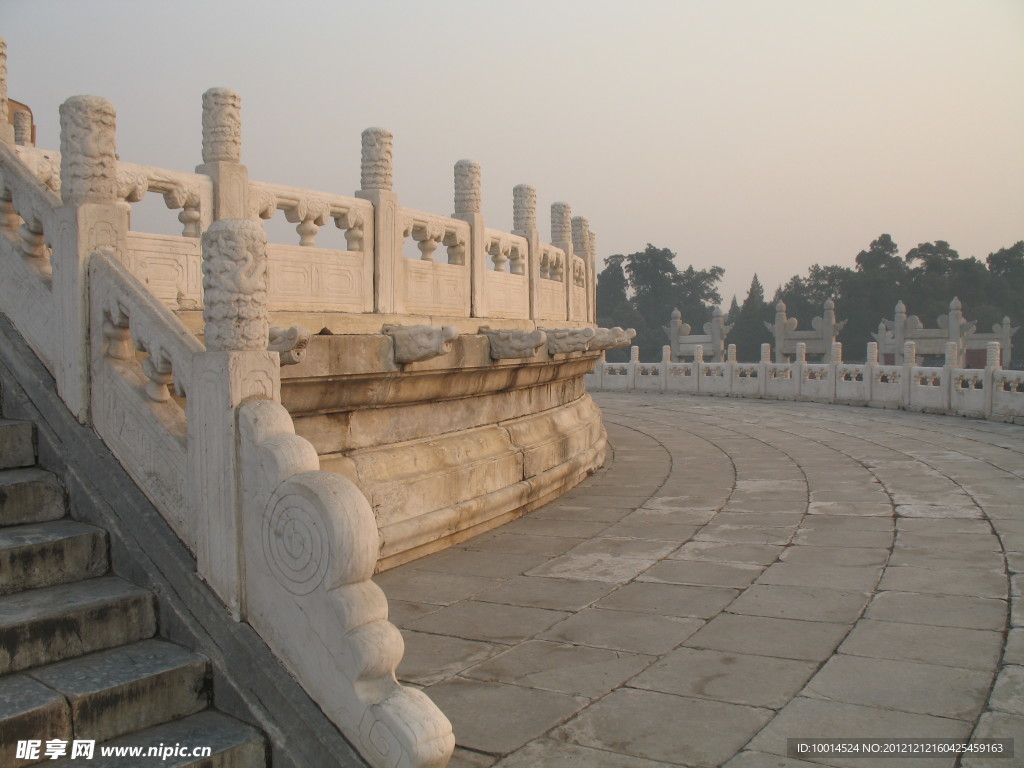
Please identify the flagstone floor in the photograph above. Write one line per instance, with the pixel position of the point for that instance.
(740, 573)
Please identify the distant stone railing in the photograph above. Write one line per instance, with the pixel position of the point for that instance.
(481, 273)
(991, 393)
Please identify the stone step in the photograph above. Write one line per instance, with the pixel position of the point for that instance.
(42, 626)
(232, 744)
(45, 554)
(121, 690)
(29, 496)
(17, 444)
(30, 710)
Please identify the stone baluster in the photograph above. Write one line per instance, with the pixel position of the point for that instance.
(836, 353)
(899, 331)
(236, 366)
(89, 218)
(909, 351)
(993, 363)
(870, 362)
(798, 366)
(376, 171)
(762, 373)
(23, 128)
(730, 354)
(222, 154)
(561, 237)
(468, 196)
(909, 354)
(6, 129)
(992, 354)
(951, 360)
(666, 354)
(524, 224)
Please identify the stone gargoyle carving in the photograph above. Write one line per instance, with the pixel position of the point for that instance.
(415, 343)
(562, 340)
(512, 344)
(611, 338)
(289, 343)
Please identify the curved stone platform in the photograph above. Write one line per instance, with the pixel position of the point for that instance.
(740, 573)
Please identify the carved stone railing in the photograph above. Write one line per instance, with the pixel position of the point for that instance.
(28, 219)
(140, 350)
(287, 547)
(990, 392)
(305, 277)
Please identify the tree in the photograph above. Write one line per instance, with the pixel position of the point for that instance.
(749, 331)
(656, 287)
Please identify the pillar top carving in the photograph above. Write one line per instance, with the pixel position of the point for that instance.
(235, 286)
(377, 165)
(88, 151)
(222, 126)
(467, 187)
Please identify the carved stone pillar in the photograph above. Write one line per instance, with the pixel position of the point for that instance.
(23, 128)
(222, 154)
(236, 366)
(467, 208)
(561, 237)
(375, 182)
(88, 219)
(6, 130)
(524, 224)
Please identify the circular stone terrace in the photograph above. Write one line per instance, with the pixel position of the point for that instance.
(740, 572)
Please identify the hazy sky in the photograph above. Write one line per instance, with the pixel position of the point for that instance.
(758, 136)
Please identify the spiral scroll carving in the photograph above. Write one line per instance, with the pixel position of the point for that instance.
(295, 543)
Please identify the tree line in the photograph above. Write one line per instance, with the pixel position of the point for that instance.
(641, 289)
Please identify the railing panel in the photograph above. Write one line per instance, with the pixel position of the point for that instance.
(171, 267)
(318, 279)
(139, 349)
(681, 377)
(714, 379)
(851, 384)
(746, 380)
(927, 388)
(967, 391)
(1008, 393)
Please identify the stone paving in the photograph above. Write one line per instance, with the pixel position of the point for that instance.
(741, 572)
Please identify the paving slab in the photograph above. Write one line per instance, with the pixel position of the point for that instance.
(562, 667)
(757, 681)
(766, 636)
(499, 718)
(951, 646)
(908, 686)
(623, 630)
(659, 726)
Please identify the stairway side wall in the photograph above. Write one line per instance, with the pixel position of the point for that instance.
(249, 682)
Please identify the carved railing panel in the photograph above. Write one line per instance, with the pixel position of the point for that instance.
(27, 223)
(140, 351)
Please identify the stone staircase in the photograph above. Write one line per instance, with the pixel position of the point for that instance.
(79, 659)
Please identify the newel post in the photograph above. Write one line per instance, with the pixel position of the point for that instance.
(235, 366)
(6, 129)
(909, 361)
(375, 184)
(561, 237)
(992, 368)
(524, 224)
(870, 363)
(468, 209)
(222, 154)
(89, 218)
